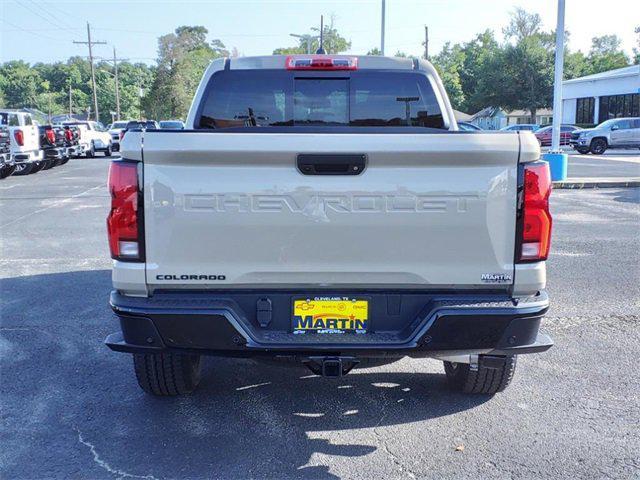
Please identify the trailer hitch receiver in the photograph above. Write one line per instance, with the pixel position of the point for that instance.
(334, 367)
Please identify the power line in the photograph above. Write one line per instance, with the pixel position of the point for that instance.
(35, 12)
(59, 21)
(34, 32)
(93, 72)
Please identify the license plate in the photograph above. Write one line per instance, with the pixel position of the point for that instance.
(330, 315)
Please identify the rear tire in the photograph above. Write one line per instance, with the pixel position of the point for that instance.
(37, 166)
(91, 152)
(6, 171)
(23, 169)
(167, 374)
(484, 380)
(598, 146)
(49, 163)
(108, 151)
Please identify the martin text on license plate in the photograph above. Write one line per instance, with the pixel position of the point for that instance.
(330, 315)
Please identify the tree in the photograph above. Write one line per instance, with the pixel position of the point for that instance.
(449, 62)
(332, 42)
(19, 84)
(475, 54)
(374, 51)
(522, 25)
(606, 54)
(636, 51)
(289, 50)
(182, 58)
(519, 75)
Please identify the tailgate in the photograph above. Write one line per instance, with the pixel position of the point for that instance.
(233, 210)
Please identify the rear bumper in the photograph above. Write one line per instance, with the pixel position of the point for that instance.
(402, 324)
(6, 160)
(56, 153)
(28, 156)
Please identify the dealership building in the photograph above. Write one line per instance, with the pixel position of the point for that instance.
(595, 98)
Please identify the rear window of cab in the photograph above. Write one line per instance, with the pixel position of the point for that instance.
(245, 99)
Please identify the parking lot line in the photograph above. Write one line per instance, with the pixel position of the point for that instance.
(55, 204)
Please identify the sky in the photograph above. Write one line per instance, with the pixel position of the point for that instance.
(43, 30)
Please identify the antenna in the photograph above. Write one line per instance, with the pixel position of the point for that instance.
(321, 51)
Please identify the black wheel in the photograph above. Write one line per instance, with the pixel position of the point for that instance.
(64, 160)
(583, 150)
(7, 171)
(167, 374)
(108, 151)
(37, 166)
(24, 168)
(91, 152)
(484, 380)
(598, 146)
(49, 163)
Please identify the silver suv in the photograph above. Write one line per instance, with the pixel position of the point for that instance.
(613, 133)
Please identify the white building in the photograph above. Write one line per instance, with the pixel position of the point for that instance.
(599, 97)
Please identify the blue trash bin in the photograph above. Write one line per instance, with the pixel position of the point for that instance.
(558, 163)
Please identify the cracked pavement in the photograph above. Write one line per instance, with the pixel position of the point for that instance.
(71, 408)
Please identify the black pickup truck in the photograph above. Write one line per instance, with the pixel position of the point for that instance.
(7, 164)
(52, 142)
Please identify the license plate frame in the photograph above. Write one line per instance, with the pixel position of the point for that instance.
(330, 315)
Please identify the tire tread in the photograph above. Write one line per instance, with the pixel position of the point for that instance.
(483, 380)
(166, 374)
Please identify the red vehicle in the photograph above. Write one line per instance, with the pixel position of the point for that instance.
(544, 134)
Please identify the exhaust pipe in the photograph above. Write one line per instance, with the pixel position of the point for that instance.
(333, 367)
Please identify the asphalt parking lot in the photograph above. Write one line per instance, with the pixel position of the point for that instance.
(614, 163)
(72, 409)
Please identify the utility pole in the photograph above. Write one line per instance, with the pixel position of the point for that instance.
(70, 113)
(382, 29)
(115, 65)
(93, 72)
(557, 80)
(558, 161)
(426, 42)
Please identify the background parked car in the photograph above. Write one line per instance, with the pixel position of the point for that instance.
(532, 127)
(24, 141)
(172, 125)
(7, 164)
(143, 124)
(94, 138)
(613, 133)
(114, 130)
(544, 134)
(468, 127)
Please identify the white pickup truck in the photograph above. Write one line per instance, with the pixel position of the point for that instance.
(327, 209)
(94, 137)
(24, 141)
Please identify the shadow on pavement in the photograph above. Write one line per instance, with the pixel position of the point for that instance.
(71, 407)
(625, 195)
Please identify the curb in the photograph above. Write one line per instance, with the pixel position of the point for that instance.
(579, 184)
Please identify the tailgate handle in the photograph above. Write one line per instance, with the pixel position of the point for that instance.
(331, 163)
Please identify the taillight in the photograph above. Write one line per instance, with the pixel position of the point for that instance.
(51, 136)
(68, 134)
(536, 219)
(124, 223)
(321, 62)
(19, 136)
(122, 132)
